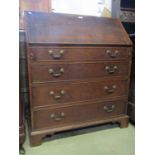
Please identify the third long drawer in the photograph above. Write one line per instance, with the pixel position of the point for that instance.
(59, 93)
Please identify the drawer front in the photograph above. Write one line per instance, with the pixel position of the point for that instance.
(56, 72)
(65, 92)
(59, 117)
(76, 53)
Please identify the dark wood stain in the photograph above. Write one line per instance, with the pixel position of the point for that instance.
(70, 29)
(79, 72)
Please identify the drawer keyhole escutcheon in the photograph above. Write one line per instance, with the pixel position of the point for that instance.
(61, 94)
(111, 69)
(112, 54)
(31, 56)
(110, 89)
(58, 117)
(54, 73)
(56, 55)
(109, 108)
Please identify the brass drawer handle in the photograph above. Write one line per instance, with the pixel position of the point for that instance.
(62, 92)
(111, 69)
(56, 55)
(112, 55)
(51, 71)
(110, 89)
(57, 117)
(109, 108)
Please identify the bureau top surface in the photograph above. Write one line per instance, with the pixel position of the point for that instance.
(56, 28)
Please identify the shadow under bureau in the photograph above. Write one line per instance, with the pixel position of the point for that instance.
(79, 72)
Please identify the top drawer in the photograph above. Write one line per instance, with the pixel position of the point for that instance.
(77, 53)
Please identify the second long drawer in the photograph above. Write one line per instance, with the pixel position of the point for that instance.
(59, 93)
(77, 70)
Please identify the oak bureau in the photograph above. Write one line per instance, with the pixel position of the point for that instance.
(79, 72)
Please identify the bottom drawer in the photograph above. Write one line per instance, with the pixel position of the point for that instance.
(71, 115)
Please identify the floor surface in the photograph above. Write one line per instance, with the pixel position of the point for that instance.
(98, 140)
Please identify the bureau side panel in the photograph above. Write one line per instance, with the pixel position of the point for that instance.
(129, 71)
(29, 86)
